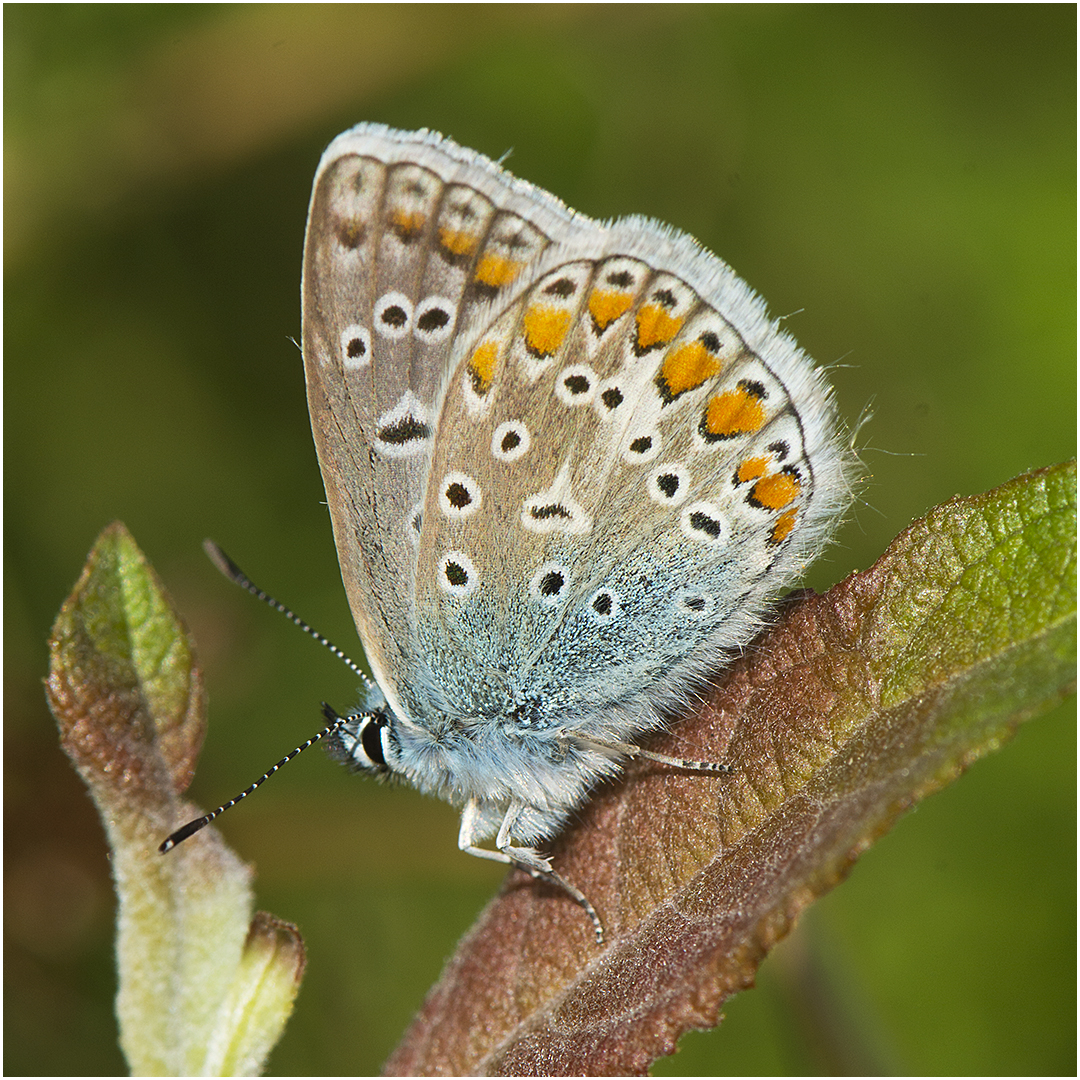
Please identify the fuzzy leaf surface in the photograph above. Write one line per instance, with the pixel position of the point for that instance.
(198, 993)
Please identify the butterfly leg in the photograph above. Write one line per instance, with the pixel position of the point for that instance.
(525, 857)
(632, 750)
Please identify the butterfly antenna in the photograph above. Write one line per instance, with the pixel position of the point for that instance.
(235, 574)
(336, 722)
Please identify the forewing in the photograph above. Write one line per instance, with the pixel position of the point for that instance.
(408, 237)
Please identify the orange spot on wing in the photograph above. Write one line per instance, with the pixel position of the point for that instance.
(495, 271)
(686, 368)
(458, 242)
(407, 223)
(776, 491)
(655, 326)
(545, 328)
(782, 529)
(482, 366)
(751, 469)
(606, 306)
(735, 412)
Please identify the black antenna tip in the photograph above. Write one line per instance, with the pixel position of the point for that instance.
(181, 835)
(222, 561)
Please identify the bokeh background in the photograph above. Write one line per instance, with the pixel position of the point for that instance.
(898, 181)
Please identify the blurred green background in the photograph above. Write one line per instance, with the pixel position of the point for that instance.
(899, 181)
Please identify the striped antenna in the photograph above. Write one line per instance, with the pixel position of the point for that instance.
(235, 574)
(335, 722)
(192, 827)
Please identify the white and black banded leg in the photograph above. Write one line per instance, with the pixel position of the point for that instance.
(539, 866)
(632, 750)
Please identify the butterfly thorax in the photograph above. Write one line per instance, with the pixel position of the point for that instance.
(525, 752)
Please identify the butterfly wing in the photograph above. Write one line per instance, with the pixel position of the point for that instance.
(565, 462)
(632, 461)
(408, 235)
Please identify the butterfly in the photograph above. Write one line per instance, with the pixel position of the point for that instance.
(569, 464)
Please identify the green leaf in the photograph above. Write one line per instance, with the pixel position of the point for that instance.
(855, 705)
(199, 993)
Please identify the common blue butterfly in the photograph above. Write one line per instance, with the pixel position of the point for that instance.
(568, 464)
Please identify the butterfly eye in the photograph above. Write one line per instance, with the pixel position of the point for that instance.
(373, 729)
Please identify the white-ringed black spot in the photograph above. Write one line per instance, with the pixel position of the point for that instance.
(703, 522)
(555, 509)
(393, 315)
(603, 605)
(552, 583)
(431, 320)
(550, 510)
(641, 447)
(459, 496)
(404, 431)
(510, 441)
(434, 319)
(457, 575)
(711, 341)
(562, 288)
(779, 450)
(695, 605)
(355, 346)
(621, 279)
(665, 298)
(612, 397)
(669, 484)
(576, 385)
(548, 584)
(706, 523)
